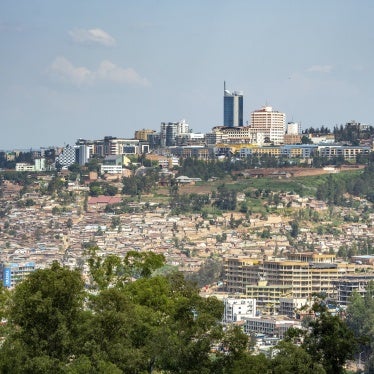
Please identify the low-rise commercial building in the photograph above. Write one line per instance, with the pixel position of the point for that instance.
(270, 326)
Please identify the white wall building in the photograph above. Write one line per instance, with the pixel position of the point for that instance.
(236, 309)
(271, 124)
(322, 139)
(39, 164)
(22, 166)
(111, 169)
(270, 326)
(293, 128)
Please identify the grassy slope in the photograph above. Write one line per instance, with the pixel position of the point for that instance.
(305, 186)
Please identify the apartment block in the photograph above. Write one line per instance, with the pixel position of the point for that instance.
(240, 271)
(303, 276)
(347, 152)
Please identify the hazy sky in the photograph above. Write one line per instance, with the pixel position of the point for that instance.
(85, 69)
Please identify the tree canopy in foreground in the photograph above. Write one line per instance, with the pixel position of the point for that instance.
(133, 322)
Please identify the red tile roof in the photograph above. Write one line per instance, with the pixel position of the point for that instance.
(104, 199)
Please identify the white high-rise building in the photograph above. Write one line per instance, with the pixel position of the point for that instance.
(85, 152)
(171, 130)
(268, 126)
(39, 164)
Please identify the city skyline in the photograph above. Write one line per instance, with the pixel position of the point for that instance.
(79, 69)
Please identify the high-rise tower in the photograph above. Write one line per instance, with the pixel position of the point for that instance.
(232, 108)
(268, 125)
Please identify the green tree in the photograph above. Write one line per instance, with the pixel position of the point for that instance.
(306, 140)
(142, 264)
(294, 229)
(235, 345)
(290, 359)
(329, 341)
(115, 222)
(45, 313)
(360, 318)
(148, 325)
(114, 271)
(210, 272)
(74, 168)
(249, 364)
(102, 188)
(153, 324)
(69, 223)
(226, 198)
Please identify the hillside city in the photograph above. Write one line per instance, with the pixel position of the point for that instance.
(263, 216)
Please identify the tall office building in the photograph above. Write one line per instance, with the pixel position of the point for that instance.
(84, 153)
(268, 125)
(169, 132)
(232, 108)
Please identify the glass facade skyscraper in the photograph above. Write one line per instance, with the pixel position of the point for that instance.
(232, 108)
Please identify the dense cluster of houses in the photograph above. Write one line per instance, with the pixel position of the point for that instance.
(265, 280)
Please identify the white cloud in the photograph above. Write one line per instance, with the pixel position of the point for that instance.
(92, 36)
(320, 69)
(106, 72)
(64, 69)
(110, 72)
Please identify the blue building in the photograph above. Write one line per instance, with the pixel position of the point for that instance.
(299, 150)
(232, 108)
(14, 273)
